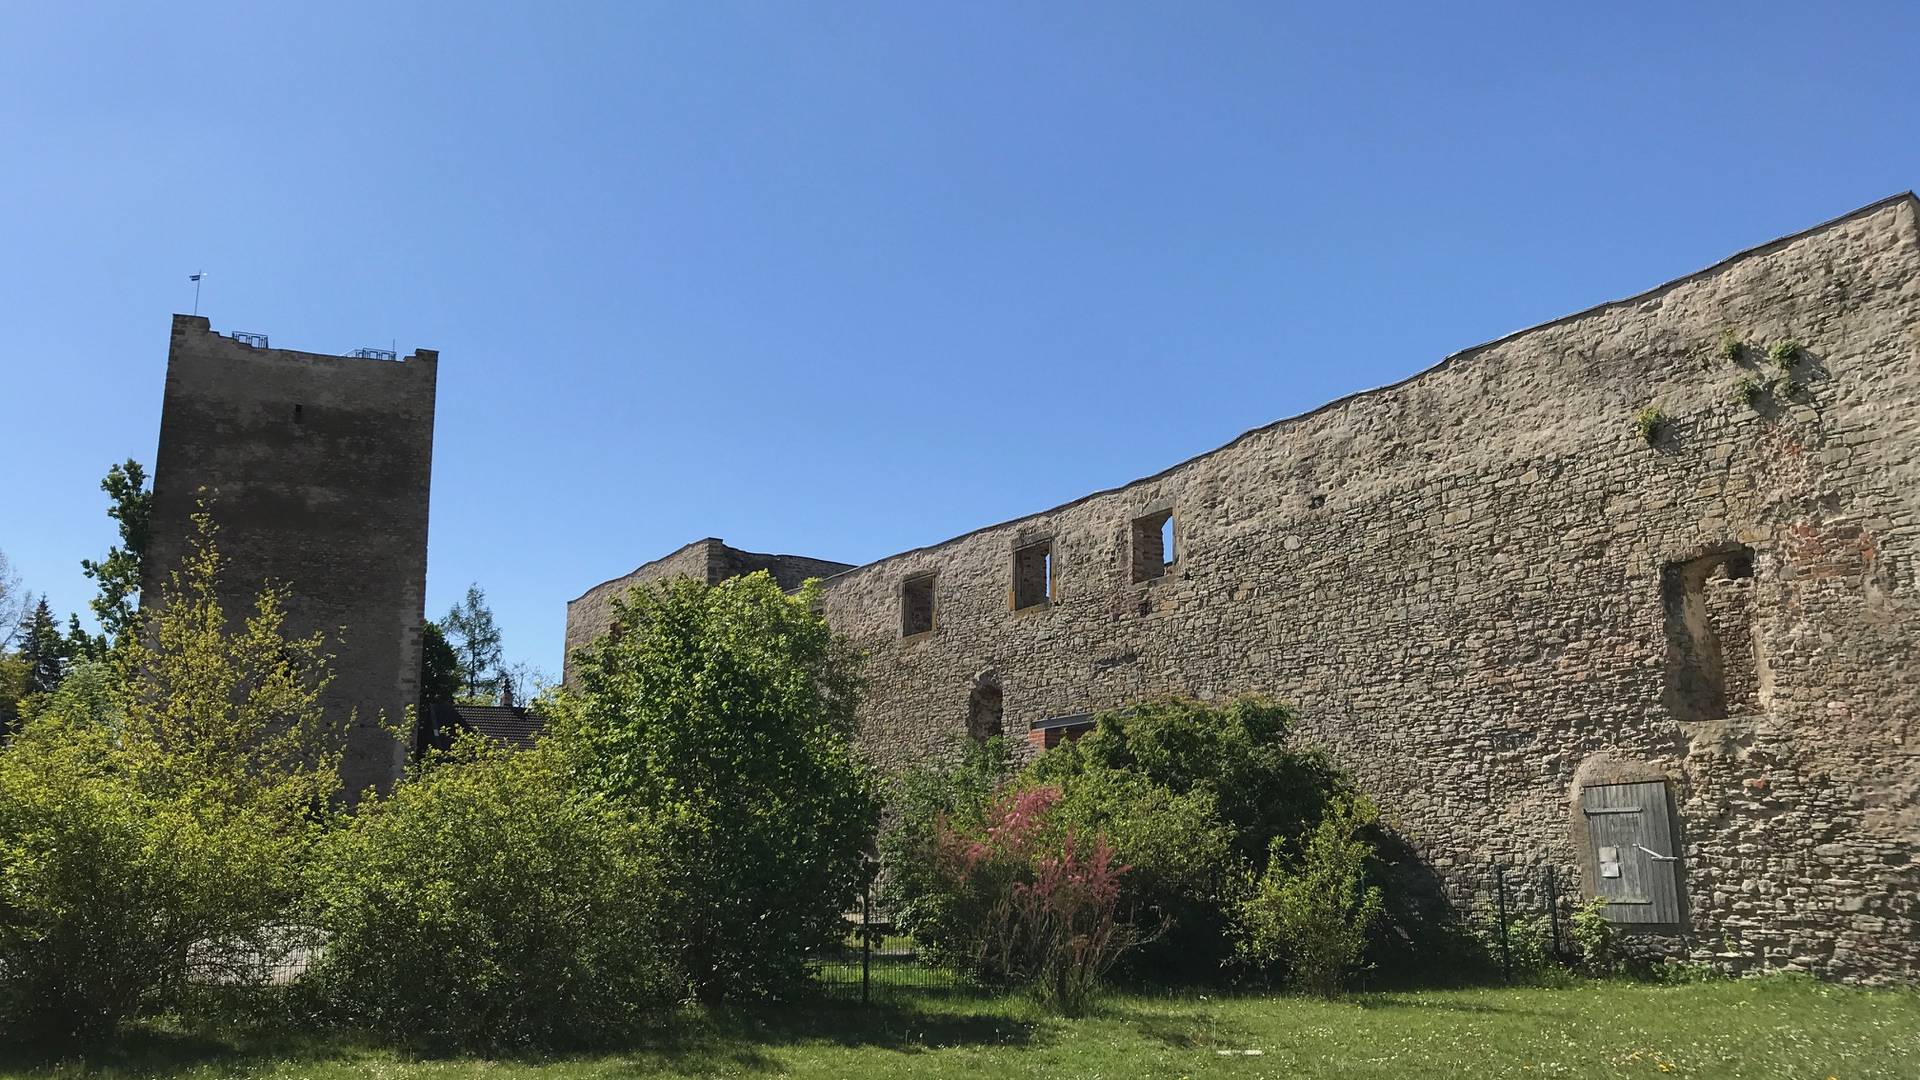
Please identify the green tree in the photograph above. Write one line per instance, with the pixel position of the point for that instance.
(160, 804)
(440, 674)
(13, 603)
(487, 904)
(13, 688)
(726, 714)
(131, 506)
(475, 638)
(45, 651)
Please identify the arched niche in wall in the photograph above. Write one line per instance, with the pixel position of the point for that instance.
(985, 708)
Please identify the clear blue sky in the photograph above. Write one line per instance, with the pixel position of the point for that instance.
(841, 280)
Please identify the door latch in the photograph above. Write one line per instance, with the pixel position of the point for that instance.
(1656, 856)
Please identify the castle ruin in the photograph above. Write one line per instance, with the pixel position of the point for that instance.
(1631, 594)
(316, 470)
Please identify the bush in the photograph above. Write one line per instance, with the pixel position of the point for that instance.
(487, 904)
(1313, 907)
(1190, 795)
(157, 809)
(914, 892)
(725, 714)
(1037, 903)
(1193, 795)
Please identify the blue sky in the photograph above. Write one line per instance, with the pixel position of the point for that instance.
(841, 280)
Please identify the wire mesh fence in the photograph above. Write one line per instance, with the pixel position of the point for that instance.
(874, 959)
(277, 956)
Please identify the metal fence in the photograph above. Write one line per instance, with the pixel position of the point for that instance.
(277, 957)
(873, 959)
(1527, 914)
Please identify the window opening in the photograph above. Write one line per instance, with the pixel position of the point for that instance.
(1033, 575)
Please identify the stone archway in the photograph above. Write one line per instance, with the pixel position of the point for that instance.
(985, 707)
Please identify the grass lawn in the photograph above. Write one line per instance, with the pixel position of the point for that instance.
(1768, 1028)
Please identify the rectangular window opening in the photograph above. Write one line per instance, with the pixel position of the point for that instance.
(1033, 575)
(1153, 551)
(916, 606)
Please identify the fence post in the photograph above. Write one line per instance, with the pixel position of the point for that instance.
(866, 937)
(1506, 952)
(1553, 909)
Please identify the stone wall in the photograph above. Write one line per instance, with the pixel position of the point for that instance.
(1484, 590)
(1464, 582)
(317, 468)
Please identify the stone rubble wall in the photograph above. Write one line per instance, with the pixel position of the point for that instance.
(1483, 589)
(1460, 581)
(318, 470)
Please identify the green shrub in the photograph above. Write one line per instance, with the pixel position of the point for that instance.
(1037, 900)
(914, 892)
(1648, 423)
(1191, 795)
(157, 807)
(1732, 348)
(1597, 946)
(1748, 390)
(488, 904)
(725, 714)
(1785, 354)
(1312, 909)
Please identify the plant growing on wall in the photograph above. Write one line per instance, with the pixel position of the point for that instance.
(1648, 423)
(1748, 390)
(1785, 354)
(1732, 349)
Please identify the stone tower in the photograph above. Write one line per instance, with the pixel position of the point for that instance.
(317, 468)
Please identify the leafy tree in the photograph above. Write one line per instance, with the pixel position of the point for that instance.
(14, 672)
(487, 904)
(725, 714)
(470, 630)
(131, 506)
(440, 674)
(13, 603)
(159, 804)
(45, 651)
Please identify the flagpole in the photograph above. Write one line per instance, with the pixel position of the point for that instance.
(196, 291)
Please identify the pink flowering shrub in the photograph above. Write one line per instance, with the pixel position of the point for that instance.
(1031, 902)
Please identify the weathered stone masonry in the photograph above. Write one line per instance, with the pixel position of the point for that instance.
(318, 469)
(1489, 596)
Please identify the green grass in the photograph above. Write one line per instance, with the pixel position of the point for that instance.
(1770, 1028)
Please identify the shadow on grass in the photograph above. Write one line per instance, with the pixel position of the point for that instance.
(157, 1048)
(1443, 1002)
(733, 1038)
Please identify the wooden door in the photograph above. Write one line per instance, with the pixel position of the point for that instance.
(1633, 844)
